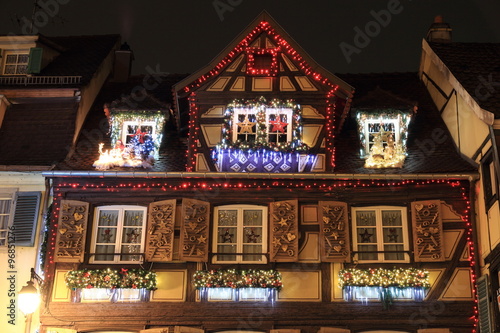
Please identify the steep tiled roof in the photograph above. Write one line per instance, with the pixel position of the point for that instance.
(119, 95)
(82, 55)
(477, 67)
(430, 146)
(37, 133)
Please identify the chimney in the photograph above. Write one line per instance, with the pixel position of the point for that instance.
(439, 31)
(123, 63)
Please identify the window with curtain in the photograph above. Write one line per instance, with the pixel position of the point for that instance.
(380, 234)
(118, 234)
(15, 63)
(240, 234)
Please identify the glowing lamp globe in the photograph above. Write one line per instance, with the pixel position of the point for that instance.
(29, 299)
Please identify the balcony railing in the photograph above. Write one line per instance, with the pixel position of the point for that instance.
(39, 80)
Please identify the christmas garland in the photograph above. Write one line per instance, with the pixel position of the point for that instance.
(111, 278)
(381, 277)
(118, 117)
(231, 278)
(404, 121)
(261, 141)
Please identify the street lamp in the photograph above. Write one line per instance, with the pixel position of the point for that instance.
(29, 297)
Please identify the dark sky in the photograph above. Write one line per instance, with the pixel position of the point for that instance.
(183, 36)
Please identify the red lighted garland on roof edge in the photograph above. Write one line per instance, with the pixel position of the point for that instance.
(285, 46)
(242, 46)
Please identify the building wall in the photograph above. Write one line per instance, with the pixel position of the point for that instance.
(23, 257)
(468, 131)
(309, 282)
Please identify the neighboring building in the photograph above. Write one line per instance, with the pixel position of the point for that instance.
(462, 79)
(47, 85)
(292, 183)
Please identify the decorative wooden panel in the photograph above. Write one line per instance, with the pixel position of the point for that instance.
(284, 231)
(71, 231)
(334, 231)
(427, 231)
(194, 230)
(160, 231)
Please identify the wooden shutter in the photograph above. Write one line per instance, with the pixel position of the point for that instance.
(284, 231)
(160, 231)
(35, 60)
(194, 230)
(71, 231)
(427, 231)
(334, 231)
(26, 217)
(484, 305)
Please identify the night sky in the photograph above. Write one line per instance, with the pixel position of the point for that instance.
(183, 36)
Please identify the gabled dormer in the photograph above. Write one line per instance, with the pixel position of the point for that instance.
(383, 121)
(26, 54)
(262, 105)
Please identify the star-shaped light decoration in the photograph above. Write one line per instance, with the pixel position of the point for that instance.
(278, 125)
(366, 237)
(246, 126)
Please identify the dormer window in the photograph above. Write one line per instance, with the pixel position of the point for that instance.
(383, 137)
(261, 136)
(263, 125)
(15, 63)
(262, 62)
(260, 125)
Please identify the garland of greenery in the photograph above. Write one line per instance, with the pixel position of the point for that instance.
(404, 121)
(232, 278)
(118, 117)
(261, 131)
(381, 277)
(111, 278)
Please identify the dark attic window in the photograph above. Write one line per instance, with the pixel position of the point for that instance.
(262, 62)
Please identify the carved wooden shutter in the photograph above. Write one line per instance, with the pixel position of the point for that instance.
(160, 231)
(71, 231)
(284, 231)
(427, 231)
(194, 230)
(334, 232)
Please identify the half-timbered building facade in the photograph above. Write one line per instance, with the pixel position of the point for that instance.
(306, 202)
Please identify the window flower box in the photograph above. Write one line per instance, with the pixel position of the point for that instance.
(238, 294)
(251, 285)
(102, 285)
(384, 284)
(110, 295)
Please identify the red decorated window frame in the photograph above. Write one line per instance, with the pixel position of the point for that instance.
(262, 61)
